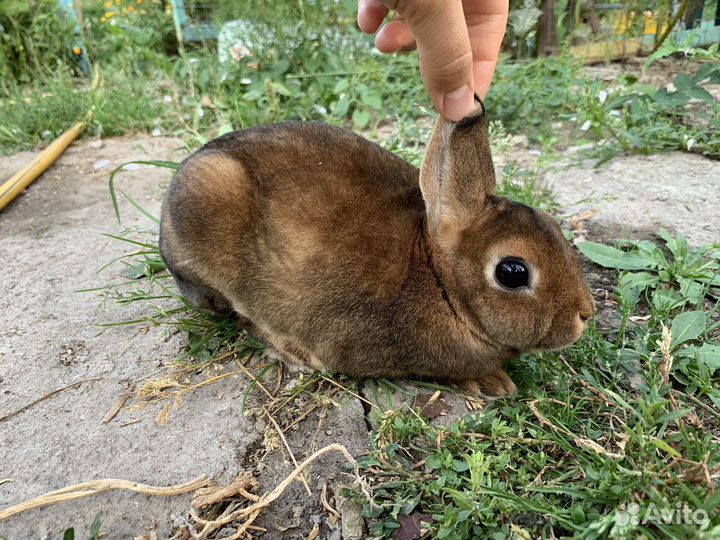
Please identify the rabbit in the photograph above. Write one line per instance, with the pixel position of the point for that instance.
(342, 256)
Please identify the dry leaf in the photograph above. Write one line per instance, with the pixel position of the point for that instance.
(411, 526)
(432, 405)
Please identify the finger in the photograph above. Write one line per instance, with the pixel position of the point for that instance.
(371, 14)
(483, 73)
(445, 54)
(486, 21)
(395, 36)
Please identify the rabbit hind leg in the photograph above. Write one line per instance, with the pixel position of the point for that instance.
(292, 353)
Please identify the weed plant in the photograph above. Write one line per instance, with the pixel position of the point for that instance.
(34, 38)
(311, 63)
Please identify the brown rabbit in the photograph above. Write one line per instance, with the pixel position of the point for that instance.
(342, 256)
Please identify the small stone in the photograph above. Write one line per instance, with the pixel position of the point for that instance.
(101, 164)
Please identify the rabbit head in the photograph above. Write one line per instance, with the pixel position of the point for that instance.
(507, 268)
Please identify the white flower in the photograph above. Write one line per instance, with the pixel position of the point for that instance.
(586, 125)
(167, 99)
(690, 144)
(602, 96)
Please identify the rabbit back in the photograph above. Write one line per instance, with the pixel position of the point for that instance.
(306, 230)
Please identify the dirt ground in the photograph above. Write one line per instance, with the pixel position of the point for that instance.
(52, 245)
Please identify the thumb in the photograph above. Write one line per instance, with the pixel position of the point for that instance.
(446, 60)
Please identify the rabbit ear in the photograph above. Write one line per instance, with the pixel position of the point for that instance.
(457, 175)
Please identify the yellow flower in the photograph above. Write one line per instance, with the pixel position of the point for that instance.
(139, 1)
(131, 9)
(103, 19)
(109, 14)
(76, 51)
(108, 4)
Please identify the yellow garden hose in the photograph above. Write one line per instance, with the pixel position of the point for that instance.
(28, 174)
(22, 179)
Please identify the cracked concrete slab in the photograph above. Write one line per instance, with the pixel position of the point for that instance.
(634, 195)
(52, 245)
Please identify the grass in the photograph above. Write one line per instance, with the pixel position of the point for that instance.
(562, 460)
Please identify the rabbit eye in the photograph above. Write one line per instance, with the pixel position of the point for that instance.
(512, 273)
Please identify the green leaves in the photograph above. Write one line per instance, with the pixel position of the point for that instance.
(709, 356)
(688, 88)
(690, 326)
(687, 276)
(173, 166)
(360, 118)
(13, 8)
(639, 118)
(69, 534)
(610, 257)
(687, 326)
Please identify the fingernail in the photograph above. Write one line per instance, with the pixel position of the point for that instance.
(458, 103)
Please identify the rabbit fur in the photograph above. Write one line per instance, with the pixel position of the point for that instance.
(342, 256)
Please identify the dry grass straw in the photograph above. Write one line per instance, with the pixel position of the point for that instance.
(581, 442)
(47, 396)
(242, 485)
(203, 497)
(287, 447)
(249, 514)
(665, 348)
(94, 487)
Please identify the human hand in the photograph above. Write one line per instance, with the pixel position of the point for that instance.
(458, 44)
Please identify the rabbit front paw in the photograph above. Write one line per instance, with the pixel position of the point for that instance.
(496, 384)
